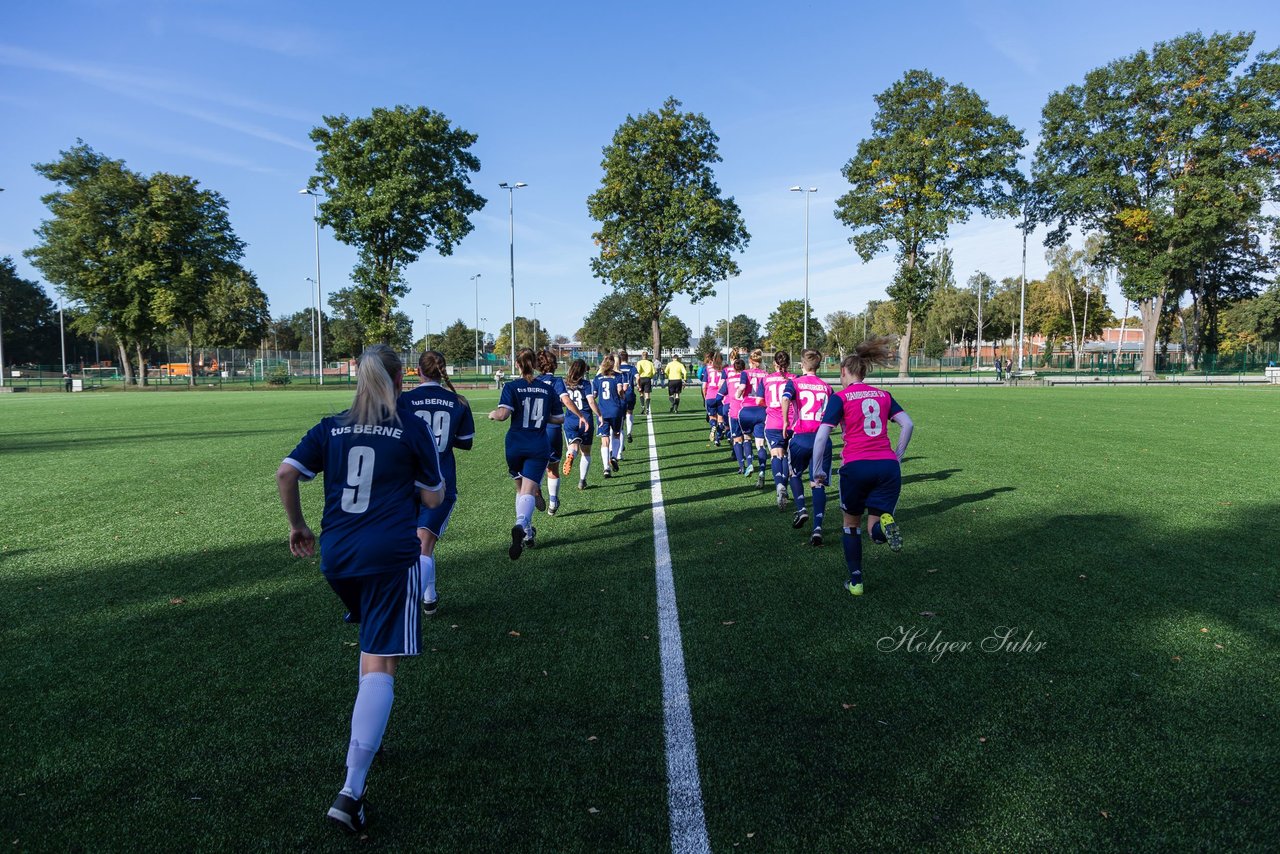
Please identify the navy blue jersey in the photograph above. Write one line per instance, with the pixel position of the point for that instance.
(579, 394)
(371, 477)
(552, 382)
(449, 420)
(628, 373)
(532, 406)
(610, 394)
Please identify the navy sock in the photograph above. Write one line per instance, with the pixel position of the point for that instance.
(877, 534)
(737, 454)
(779, 474)
(797, 490)
(763, 456)
(819, 505)
(851, 539)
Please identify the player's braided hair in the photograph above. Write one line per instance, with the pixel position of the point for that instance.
(547, 362)
(810, 360)
(739, 365)
(378, 374)
(757, 356)
(431, 366)
(868, 354)
(526, 362)
(782, 360)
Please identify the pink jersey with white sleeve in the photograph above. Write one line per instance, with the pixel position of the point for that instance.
(711, 385)
(809, 395)
(863, 411)
(774, 385)
(753, 379)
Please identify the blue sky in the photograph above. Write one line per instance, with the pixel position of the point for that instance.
(227, 92)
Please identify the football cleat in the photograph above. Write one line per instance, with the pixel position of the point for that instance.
(760, 480)
(798, 520)
(891, 532)
(607, 474)
(517, 542)
(582, 484)
(816, 538)
(348, 813)
(429, 607)
(553, 506)
(854, 589)
(530, 539)
(782, 499)
(568, 465)
(613, 464)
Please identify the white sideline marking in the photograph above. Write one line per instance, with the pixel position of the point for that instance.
(684, 791)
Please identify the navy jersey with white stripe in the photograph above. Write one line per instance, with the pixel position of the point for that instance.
(628, 373)
(449, 420)
(371, 477)
(532, 405)
(610, 394)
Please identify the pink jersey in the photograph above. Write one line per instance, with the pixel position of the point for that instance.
(753, 379)
(809, 395)
(774, 384)
(863, 411)
(729, 389)
(711, 385)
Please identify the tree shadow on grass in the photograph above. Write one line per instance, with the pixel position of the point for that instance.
(133, 440)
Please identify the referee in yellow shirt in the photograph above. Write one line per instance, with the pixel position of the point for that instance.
(644, 379)
(676, 374)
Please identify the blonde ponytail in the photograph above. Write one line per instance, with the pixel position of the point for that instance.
(377, 374)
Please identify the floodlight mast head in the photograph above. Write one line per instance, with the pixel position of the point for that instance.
(794, 189)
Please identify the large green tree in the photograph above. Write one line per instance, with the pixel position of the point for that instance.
(936, 155)
(236, 311)
(525, 337)
(395, 183)
(612, 323)
(28, 319)
(844, 331)
(744, 333)
(665, 228)
(785, 328)
(1167, 154)
(457, 342)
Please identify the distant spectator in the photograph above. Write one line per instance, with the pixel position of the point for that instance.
(66, 378)
(999, 369)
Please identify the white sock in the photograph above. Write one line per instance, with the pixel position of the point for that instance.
(616, 453)
(369, 719)
(604, 454)
(584, 466)
(524, 511)
(631, 422)
(427, 571)
(553, 488)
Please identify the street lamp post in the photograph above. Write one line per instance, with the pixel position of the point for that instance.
(807, 193)
(315, 213)
(315, 323)
(535, 325)
(511, 218)
(1022, 306)
(426, 327)
(476, 352)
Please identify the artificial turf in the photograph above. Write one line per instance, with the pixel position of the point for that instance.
(173, 678)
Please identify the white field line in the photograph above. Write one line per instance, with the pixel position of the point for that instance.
(684, 791)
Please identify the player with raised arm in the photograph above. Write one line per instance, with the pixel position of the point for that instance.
(583, 396)
(808, 395)
(871, 474)
(530, 406)
(645, 371)
(627, 372)
(377, 466)
(712, 377)
(448, 416)
(610, 401)
(778, 417)
(751, 416)
(555, 432)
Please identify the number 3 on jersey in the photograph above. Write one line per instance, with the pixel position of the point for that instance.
(871, 423)
(355, 498)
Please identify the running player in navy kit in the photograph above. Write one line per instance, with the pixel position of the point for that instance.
(555, 432)
(611, 401)
(583, 395)
(628, 372)
(530, 406)
(448, 416)
(377, 466)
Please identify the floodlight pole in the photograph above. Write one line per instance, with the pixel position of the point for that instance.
(511, 218)
(807, 193)
(1022, 308)
(535, 325)
(315, 214)
(314, 324)
(476, 352)
(978, 359)
(426, 327)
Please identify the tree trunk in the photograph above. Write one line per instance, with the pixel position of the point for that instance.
(124, 361)
(191, 360)
(142, 365)
(1075, 350)
(1084, 327)
(656, 328)
(1150, 310)
(904, 347)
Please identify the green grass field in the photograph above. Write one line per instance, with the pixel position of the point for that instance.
(174, 679)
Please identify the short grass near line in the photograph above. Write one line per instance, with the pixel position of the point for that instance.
(173, 678)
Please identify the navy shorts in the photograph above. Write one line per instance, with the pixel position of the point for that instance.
(436, 519)
(609, 426)
(800, 451)
(528, 466)
(870, 485)
(735, 429)
(752, 420)
(631, 402)
(555, 438)
(713, 409)
(573, 434)
(775, 439)
(386, 606)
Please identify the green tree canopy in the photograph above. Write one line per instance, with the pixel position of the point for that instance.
(744, 333)
(236, 312)
(1168, 155)
(28, 319)
(844, 331)
(665, 229)
(707, 342)
(457, 342)
(395, 183)
(785, 328)
(936, 155)
(524, 336)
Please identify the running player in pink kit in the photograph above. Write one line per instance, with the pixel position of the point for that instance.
(751, 416)
(777, 420)
(730, 425)
(870, 477)
(713, 375)
(808, 395)
(733, 404)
